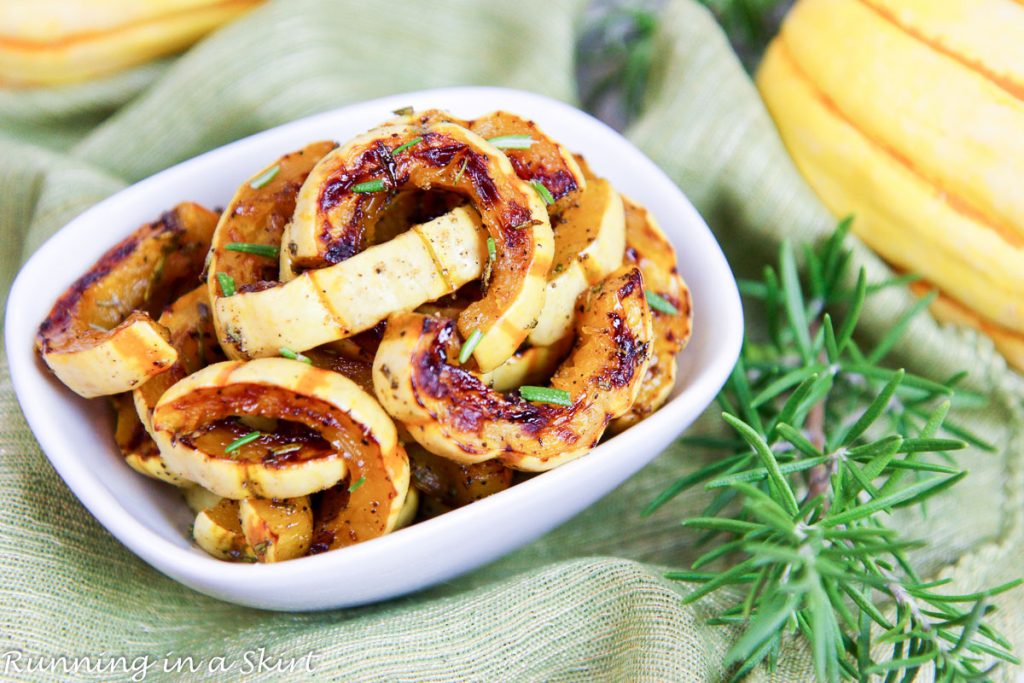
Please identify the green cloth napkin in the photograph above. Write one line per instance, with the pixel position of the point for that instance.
(586, 602)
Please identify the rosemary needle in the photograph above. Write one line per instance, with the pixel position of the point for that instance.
(266, 250)
(241, 441)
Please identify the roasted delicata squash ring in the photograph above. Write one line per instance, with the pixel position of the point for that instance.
(328, 304)
(649, 249)
(277, 530)
(366, 505)
(135, 444)
(325, 428)
(351, 185)
(189, 325)
(218, 531)
(99, 338)
(244, 251)
(453, 413)
(590, 236)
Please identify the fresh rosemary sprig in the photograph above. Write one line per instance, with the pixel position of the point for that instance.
(828, 442)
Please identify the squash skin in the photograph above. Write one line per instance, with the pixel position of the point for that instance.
(100, 337)
(454, 414)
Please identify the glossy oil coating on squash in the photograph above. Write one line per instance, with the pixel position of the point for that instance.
(100, 338)
(453, 413)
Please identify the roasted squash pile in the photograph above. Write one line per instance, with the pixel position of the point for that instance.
(375, 333)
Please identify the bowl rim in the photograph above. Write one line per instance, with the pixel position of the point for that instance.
(185, 565)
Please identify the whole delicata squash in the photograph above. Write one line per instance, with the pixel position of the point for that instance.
(100, 338)
(452, 413)
(245, 246)
(274, 428)
(649, 249)
(352, 185)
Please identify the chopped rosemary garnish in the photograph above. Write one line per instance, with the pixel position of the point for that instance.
(492, 251)
(261, 547)
(401, 148)
(462, 169)
(241, 441)
(403, 111)
(291, 355)
(357, 483)
(369, 186)
(543, 191)
(267, 250)
(227, 284)
(512, 141)
(660, 303)
(471, 343)
(558, 397)
(286, 449)
(265, 177)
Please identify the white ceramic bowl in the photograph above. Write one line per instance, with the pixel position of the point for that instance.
(151, 519)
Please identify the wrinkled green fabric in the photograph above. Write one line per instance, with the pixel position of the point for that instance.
(586, 602)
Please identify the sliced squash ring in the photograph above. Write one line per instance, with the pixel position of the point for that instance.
(277, 530)
(649, 249)
(99, 338)
(218, 531)
(453, 413)
(257, 215)
(189, 324)
(326, 427)
(351, 185)
(328, 304)
(590, 236)
(137, 447)
(368, 504)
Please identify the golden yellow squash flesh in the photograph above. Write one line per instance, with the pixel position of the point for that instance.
(369, 503)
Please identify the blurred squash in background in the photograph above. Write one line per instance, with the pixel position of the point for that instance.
(49, 42)
(909, 114)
